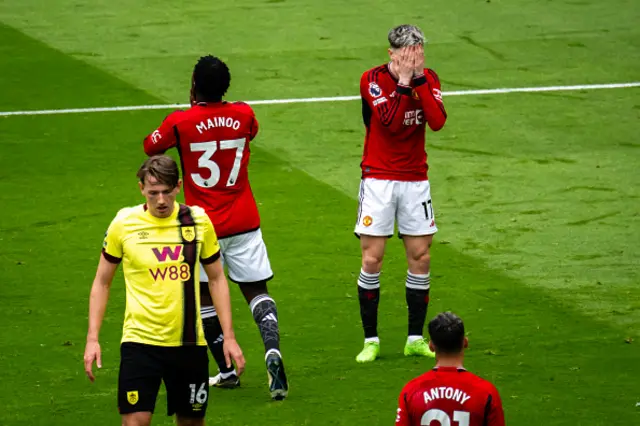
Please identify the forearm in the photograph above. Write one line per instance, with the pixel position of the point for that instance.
(97, 307)
(434, 111)
(219, 290)
(163, 138)
(151, 147)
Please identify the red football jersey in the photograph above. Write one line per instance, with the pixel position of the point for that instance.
(449, 396)
(213, 142)
(395, 117)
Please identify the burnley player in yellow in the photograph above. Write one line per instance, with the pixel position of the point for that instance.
(160, 244)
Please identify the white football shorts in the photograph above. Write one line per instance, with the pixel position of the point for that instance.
(383, 202)
(245, 257)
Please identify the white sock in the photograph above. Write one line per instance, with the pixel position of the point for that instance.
(372, 339)
(272, 351)
(412, 339)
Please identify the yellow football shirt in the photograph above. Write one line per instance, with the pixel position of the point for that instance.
(160, 263)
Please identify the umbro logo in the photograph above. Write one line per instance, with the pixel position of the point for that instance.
(270, 317)
(143, 235)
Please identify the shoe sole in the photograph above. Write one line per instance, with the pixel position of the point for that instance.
(364, 361)
(216, 382)
(419, 354)
(227, 385)
(279, 394)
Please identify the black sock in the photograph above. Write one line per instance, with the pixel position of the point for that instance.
(265, 314)
(369, 296)
(215, 340)
(417, 292)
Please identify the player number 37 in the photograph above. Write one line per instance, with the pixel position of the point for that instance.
(205, 161)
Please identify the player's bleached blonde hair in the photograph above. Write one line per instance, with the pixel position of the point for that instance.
(405, 35)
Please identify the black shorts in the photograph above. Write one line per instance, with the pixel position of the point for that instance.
(184, 370)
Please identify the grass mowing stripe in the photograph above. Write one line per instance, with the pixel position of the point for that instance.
(331, 99)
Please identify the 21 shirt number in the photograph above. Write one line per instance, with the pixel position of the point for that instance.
(443, 419)
(205, 161)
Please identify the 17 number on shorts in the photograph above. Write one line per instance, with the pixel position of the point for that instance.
(428, 209)
(200, 396)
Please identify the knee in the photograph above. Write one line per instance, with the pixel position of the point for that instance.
(420, 260)
(136, 419)
(371, 262)
(190, 422)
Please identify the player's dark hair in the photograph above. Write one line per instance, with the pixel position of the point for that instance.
(211, 79)
(447, 333)
(163, 168)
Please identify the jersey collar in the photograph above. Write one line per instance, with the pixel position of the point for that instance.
(449, 369)
(174, 214)
(207, 104)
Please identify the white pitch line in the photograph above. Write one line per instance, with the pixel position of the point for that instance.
(329, 99)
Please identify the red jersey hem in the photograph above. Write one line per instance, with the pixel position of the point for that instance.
(404, 177)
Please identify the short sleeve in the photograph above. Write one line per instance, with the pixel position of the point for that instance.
(112, 244)
(210, 251)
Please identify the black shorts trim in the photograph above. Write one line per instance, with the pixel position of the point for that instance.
(411, 235)
(252, 282)
(238, 233)
(367, 235)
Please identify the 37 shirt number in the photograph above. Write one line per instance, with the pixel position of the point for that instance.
(205, 161)
(443, 419)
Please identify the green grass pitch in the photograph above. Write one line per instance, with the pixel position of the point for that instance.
(537, 198)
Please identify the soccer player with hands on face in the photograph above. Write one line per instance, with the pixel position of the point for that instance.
(399, 100)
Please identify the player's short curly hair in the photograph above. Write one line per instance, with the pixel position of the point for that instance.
(405, 35)
(211, 79)
(163, 168)
(447, 333)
